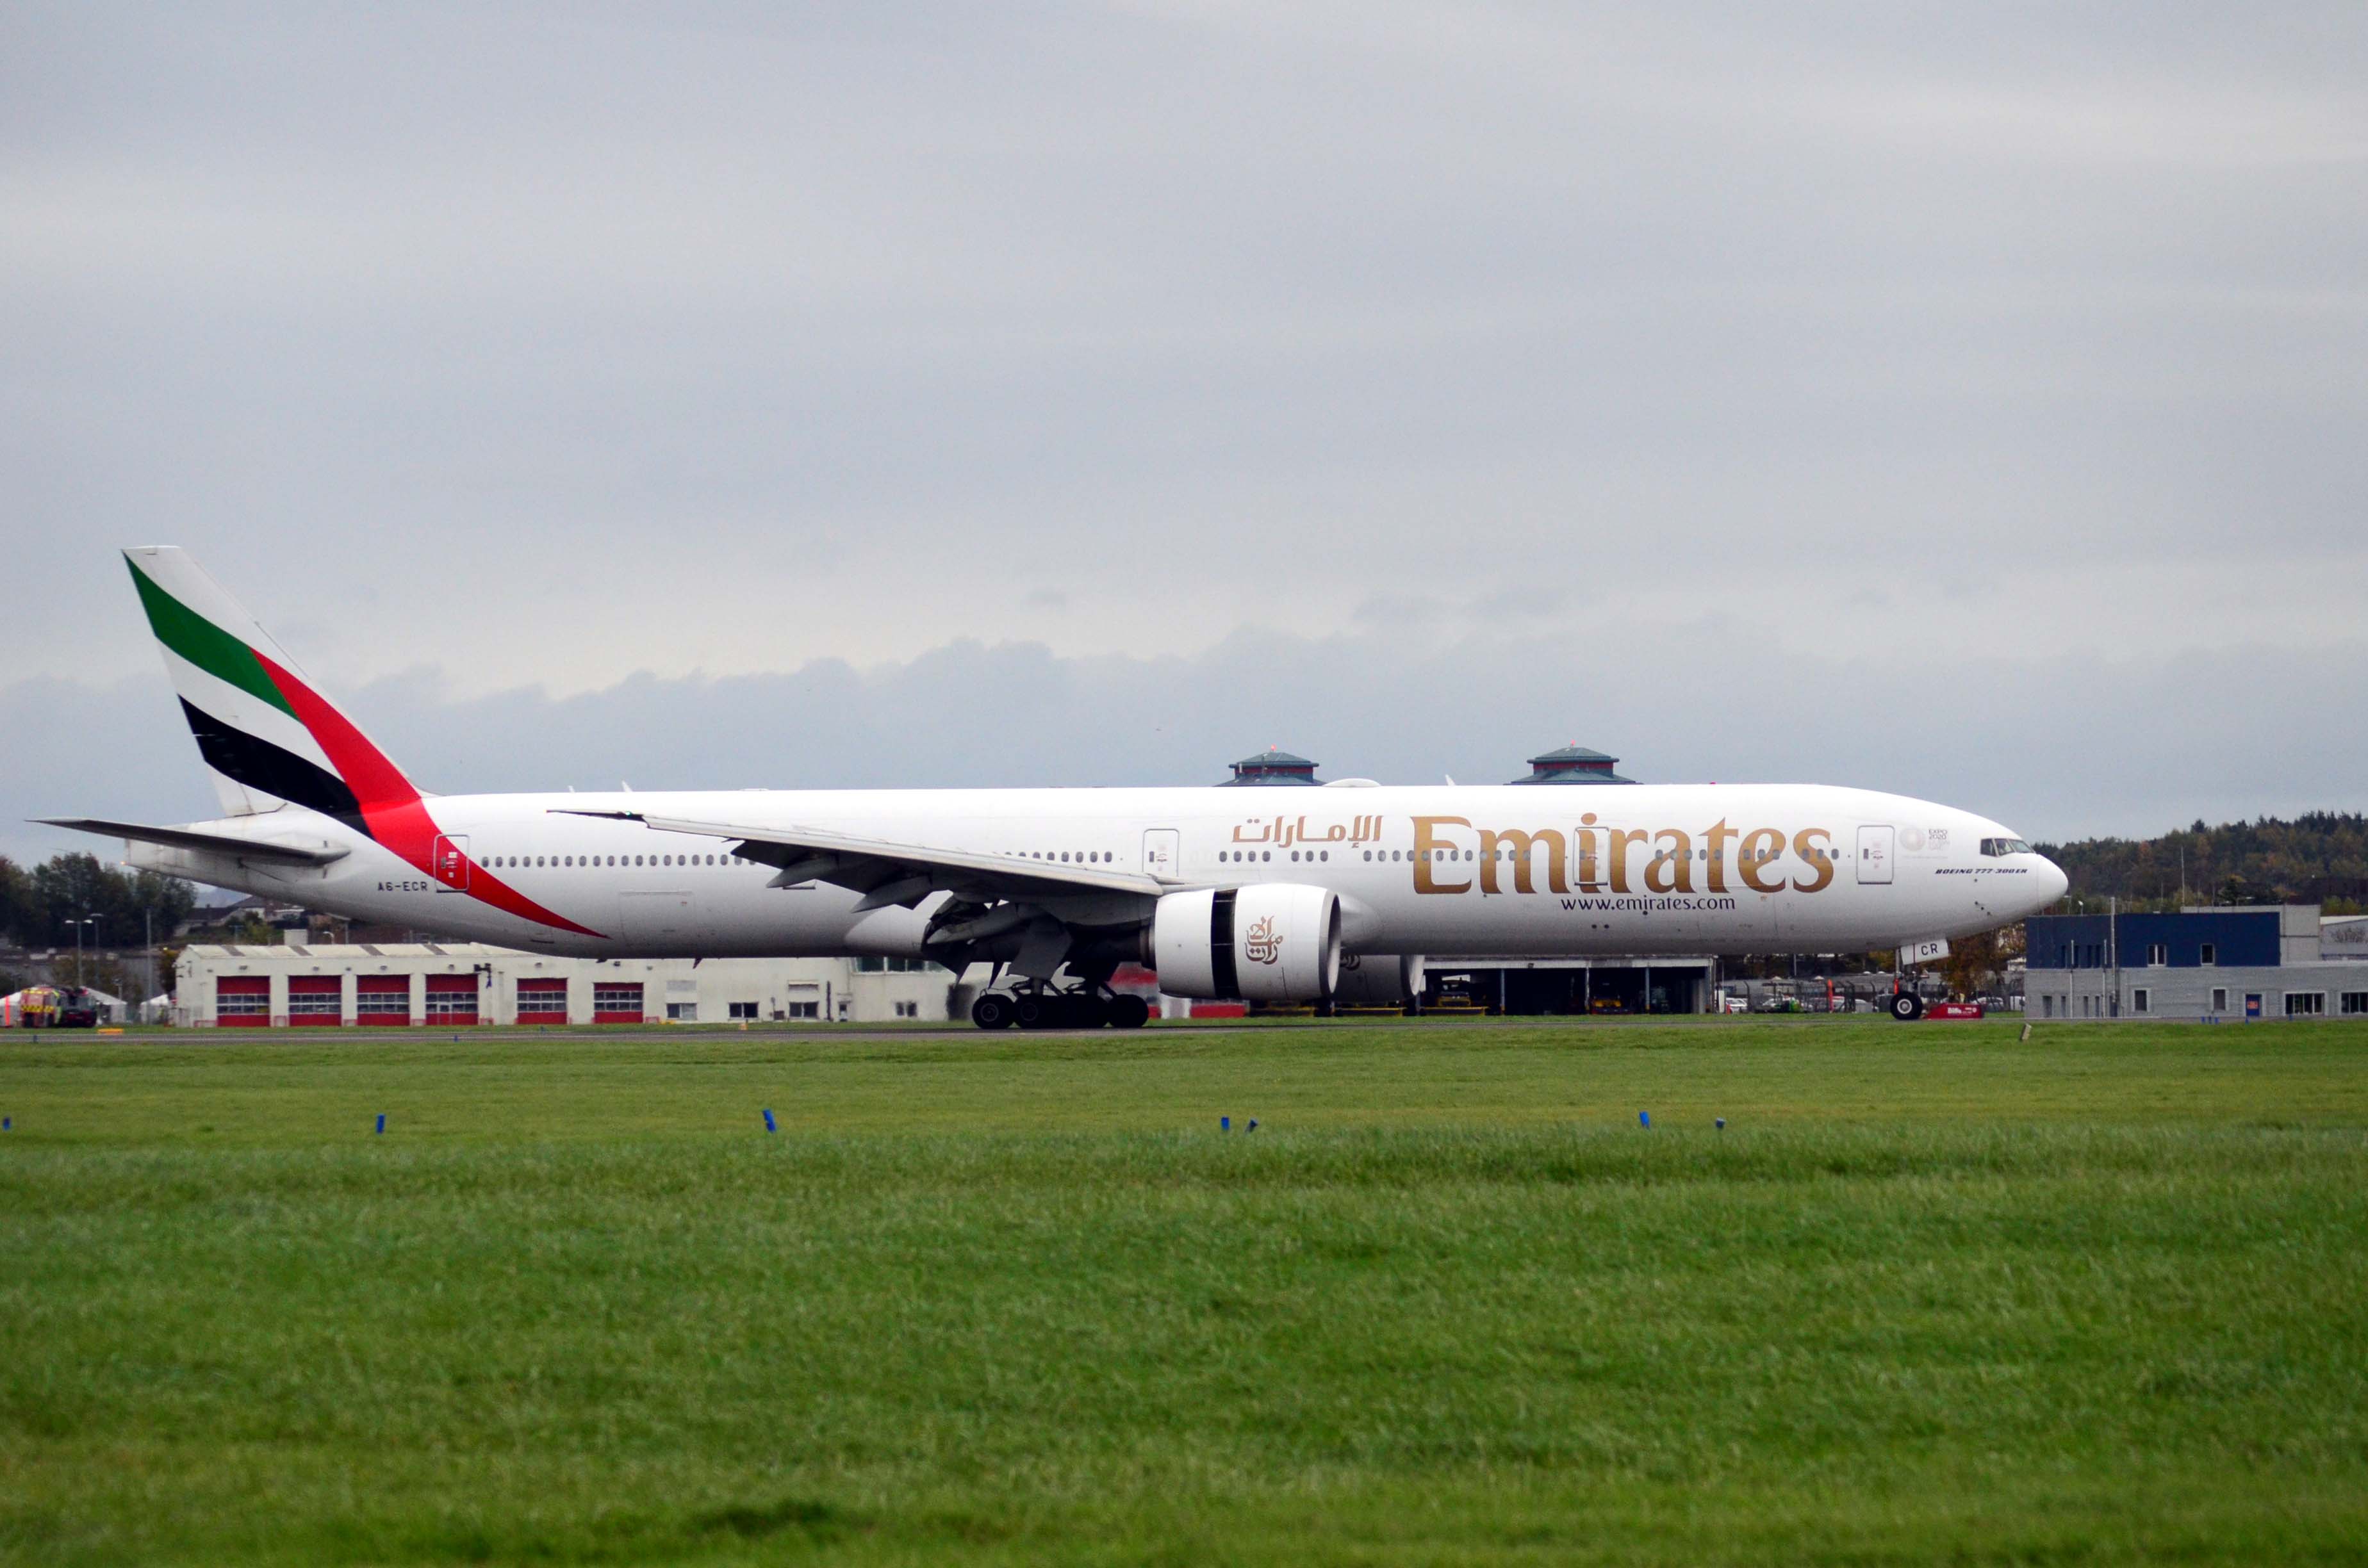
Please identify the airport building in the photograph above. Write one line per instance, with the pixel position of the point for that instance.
(1670, 983)
(2279, 961)
(452, 985)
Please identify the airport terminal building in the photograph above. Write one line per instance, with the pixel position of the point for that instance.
(2279, 961)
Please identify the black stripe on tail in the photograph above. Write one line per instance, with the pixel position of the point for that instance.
(275, 770)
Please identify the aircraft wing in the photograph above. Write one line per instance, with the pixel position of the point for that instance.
(886, 873)
(206, 843)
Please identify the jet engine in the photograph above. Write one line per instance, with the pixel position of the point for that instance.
(1275, 942)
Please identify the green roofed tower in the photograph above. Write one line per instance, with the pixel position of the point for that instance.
(1271, 766)
(1573, 764)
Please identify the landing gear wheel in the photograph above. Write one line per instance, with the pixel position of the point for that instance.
(1033, 1012)
(1906, 1006)
(991, 1012)
(1089, 1012)
(1129, 1013)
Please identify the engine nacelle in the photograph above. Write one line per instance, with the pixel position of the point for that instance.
(1275, 942)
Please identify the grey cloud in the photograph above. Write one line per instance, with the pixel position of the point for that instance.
(548, 344)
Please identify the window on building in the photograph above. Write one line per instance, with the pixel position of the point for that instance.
(2208, 954)
(542, 998)
(2158, 955)
(745, 1011)
(617, 1003)
(451, 998)
(909, 1010)
(311, 1003)
(2141, 1000)
(2305, 1003)
(2047, 1007)
(2355, 1003)
(2219, 998)
(804, 1010)
(870, 965)
(682, 1012)
(241, 1003)
(383, 997)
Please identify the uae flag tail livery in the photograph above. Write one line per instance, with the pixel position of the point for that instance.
(269, 739)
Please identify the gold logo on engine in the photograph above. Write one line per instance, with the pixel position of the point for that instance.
(1262, 946)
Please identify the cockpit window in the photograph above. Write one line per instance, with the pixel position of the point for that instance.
(2004, 846)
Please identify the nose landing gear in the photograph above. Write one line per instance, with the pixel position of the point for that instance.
(1036, 1006)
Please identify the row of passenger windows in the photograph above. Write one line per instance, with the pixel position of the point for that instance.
(1508, 855)
(1082, 857)
(528, 862)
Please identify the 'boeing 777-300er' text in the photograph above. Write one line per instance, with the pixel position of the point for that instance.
(1255, 895)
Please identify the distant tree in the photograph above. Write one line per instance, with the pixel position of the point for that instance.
(1976, 965)
(2318, 857)
(16, 922)
(128, 905)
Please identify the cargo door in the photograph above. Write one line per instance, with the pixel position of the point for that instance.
(1875, 844)
(665, 922)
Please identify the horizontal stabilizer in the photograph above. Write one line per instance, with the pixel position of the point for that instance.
(321, 854)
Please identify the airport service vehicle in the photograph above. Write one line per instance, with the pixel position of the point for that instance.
(1235, 894)
(56, 1007)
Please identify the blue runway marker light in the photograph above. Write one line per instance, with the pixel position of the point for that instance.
(769, 1118)
(5, 1122)
(381, 1121)
(1721, 1122)
(1643, 1118)
(1224, 1124)
(1252, 1127)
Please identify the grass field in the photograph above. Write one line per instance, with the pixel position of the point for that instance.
(1933, 1293)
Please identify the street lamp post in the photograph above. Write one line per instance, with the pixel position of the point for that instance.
(82, 976)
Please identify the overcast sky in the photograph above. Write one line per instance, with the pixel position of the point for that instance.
(1967, 400)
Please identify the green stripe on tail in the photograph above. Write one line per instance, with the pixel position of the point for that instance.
(203, 644)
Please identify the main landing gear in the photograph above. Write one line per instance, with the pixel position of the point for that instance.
(1906, 1006)
(1042, 1007)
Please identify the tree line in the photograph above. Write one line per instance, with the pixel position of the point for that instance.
(39, 906)
(2318, 857)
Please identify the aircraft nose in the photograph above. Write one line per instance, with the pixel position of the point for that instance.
(2052, 881)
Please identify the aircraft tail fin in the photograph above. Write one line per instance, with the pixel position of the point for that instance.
(267, 737)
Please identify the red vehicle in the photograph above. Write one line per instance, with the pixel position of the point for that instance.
(1908, 1007)
(58, 1007)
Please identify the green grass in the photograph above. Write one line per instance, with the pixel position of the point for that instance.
(1933, 1293)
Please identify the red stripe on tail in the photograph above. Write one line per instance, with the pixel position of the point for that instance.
(392, 810)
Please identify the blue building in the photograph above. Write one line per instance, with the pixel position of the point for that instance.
(2268, 963)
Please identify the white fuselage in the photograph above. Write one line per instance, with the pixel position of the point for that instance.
(1433, 870)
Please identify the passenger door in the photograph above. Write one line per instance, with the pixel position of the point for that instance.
(1159, 852)
(448, 862)
(1875, 842)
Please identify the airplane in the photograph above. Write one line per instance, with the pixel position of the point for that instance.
(1235, 894)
